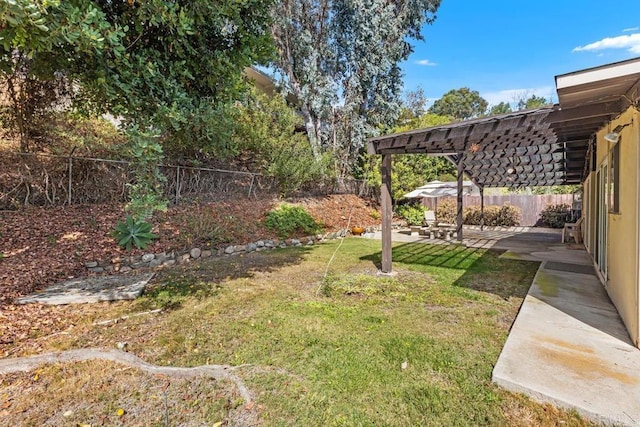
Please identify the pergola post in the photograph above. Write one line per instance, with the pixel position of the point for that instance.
(387, 212)
(459, 198)
(481, 208)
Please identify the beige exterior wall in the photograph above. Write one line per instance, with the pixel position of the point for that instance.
(622, 282)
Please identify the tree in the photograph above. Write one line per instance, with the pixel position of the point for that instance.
(169, 68)
(340, 58)
(159, 64)
(501, 108)
(532, 102)
(265, 129)
(460, 104)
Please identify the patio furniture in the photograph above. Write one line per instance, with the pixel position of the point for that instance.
(429, 217)
(572, 229)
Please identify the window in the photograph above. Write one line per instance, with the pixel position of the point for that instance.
(614, 179)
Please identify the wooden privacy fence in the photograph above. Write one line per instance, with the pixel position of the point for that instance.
(50, 180)
(531, 205)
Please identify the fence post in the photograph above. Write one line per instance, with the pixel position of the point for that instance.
(177, 184)
(253, 177)
(70, 175)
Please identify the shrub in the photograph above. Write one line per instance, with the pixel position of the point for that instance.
(414, 215)
(132, 231)
(289, 220)
(446, 211)
(504, 216)
(555, 216)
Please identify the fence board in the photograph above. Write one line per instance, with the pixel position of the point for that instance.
(531, 205)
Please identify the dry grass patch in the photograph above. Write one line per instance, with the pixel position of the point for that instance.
(347, 349)
(105, 393)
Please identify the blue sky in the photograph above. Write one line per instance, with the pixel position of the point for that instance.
(503, 48)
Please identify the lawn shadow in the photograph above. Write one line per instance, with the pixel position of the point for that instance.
(204, 278)
(483, 269)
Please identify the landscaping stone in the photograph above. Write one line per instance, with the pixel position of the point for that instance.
(91, 289)
(147, 257)
(162, 256)
(139, 264)
(126, 264)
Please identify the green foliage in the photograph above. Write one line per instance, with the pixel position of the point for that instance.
(145, 193)
(555, 216)
(460, 104)
(414, 215)
(532, 102)
(556, 189)
(265, 130)
(289, 220)
(408, 172)
(133, 232)
(501, 108)
(341, 61)
(422, 121)
(169, 66)
(503, 216)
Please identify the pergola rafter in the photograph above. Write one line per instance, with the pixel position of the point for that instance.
(541, 147)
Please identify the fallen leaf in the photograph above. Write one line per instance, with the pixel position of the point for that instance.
(249, 406)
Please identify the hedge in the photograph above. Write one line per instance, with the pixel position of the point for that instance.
(505, 216)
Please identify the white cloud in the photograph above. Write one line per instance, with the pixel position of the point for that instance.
(630, 29)
(512, 96)
(426, 62)
(631, 42)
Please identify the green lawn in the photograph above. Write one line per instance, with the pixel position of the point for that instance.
(346, 348)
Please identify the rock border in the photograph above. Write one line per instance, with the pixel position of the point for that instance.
(126, 264)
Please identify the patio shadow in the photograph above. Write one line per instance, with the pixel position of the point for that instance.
(483, 269)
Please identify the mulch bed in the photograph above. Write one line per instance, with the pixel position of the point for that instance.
(42, 246)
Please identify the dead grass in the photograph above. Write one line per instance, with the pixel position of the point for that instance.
(93, 393)
(346, 349)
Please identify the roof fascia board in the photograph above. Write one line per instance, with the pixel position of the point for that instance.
(598, 74)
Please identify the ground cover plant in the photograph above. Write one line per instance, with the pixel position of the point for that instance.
(341, 348)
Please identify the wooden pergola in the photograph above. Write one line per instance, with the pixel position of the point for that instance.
(541, 147)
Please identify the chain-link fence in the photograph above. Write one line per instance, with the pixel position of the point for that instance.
(50, 180)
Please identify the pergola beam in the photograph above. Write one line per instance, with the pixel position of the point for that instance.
(387, 214)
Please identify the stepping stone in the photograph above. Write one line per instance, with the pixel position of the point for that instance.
(90, 289)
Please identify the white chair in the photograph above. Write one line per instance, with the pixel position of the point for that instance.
(572, 229)
(429, 217)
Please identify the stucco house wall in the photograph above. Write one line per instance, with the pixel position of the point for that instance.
(622, 275)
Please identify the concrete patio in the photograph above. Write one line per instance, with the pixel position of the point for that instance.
(568, 345)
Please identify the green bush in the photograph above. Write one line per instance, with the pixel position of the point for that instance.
(414, 215)
(555, 216)
(503, 216)
(289, 220)
(133, 232)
